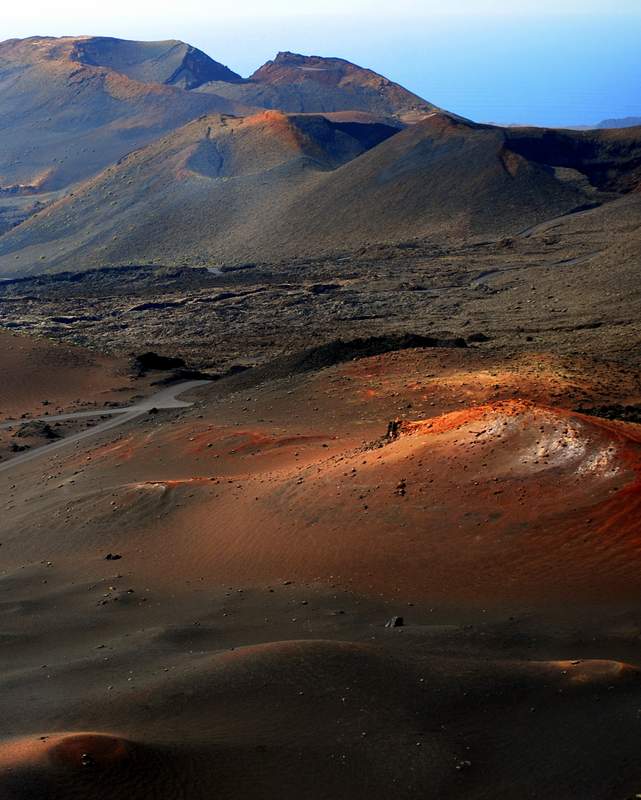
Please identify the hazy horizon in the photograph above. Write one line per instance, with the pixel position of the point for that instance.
(567, 63)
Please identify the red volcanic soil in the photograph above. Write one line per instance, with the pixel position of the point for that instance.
(488, 492)
(36, 370)
(234, 645)
(501, 503)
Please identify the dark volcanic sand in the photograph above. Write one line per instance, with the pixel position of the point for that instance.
(569, 287)
(238, 647)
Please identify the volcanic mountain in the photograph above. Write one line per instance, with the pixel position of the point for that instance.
(75, 105)
(218, 179)
(93, 99)
(153, 153)
(71, 106)
(312, 84)
(274, 185)
(375, 465)
(171, 62)
(623, 122)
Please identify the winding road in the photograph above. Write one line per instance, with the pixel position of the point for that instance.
(165, 399)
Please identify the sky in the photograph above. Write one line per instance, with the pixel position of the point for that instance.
(543, 62)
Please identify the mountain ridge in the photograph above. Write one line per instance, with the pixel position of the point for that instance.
(170, 62)
(225, 189)
(141, 157)
(297, 83)
(621, 122)
(86, 115)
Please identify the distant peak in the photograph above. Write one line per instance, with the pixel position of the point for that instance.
(170, 62)
(287, 55)
(320, 83)
(287, 58)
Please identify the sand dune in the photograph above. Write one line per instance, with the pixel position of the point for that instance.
(41, 376)
(197, 605)
(255, 706)
(506, 501)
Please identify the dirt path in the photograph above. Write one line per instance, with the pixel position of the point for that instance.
(166, 398)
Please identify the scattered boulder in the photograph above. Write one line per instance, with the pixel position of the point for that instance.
(476, 338)
(158, 305)
(339, 351)
(36, 428)
(323, 288)
(401, 488)
(153, 361)
(236, 369)
(395, 622)
(626, 413)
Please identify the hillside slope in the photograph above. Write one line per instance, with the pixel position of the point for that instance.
(153, 153)
(72, 106)
(312, 84)
(218, 179)
(453, 604)
(170, 62)
(273, 186)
